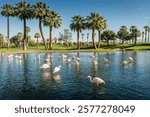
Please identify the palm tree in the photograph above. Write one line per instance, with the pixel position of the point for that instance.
(148, 33)
(52, 19)
(82, 39)
(92, 23)
(40, 12)
(37, 36)
(134, 33)
(102, 25)
(146, 30)
(87, 38)
(143, 36)
(23, 11)
(77, 24)
(7, 10)
(27, 31)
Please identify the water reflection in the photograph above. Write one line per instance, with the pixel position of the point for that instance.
(24, 79)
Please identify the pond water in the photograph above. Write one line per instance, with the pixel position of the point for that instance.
(24, 79)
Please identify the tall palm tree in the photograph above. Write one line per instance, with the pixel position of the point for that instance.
(143, 36)
(82, 39)
(7, 10)
(77, 24)
(146, 31)
(23, 11)
(92, 23)
(37, 36)
(87, 38)
(40, 12)
(134, 33)
(52, 19)
(102, 25)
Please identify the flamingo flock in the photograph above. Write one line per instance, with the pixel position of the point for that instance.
(56, 70)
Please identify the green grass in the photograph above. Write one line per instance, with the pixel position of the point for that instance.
(104, 48)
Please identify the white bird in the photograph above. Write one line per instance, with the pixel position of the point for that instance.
(46, 65)
(10, 56)
(130, 60)
(96, 80)
(77, 58)
(124, 63)
(56, 69)
(39, 58)
(34, 59)
(95, 62)
(106, 60)
(46, 60)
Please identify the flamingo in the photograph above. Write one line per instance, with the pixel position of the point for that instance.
(106, 60)
(96, 80)
(95, 62)
(77, 58)
(124, 63)
(46, 65)
(130, 60)
(56, 69)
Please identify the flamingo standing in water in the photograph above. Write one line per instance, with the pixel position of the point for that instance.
(46, 65)
(56, 69)
(96, 80)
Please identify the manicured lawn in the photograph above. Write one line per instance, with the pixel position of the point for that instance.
(57, 48)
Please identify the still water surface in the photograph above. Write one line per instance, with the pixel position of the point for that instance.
(25, 79)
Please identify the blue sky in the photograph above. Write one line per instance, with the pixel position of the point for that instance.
(116, 12)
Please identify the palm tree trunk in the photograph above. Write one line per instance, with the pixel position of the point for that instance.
(148, 35)
(50, 37)
(93, 39)
(145, 35)
(41, 31)
(78, 43)
(99, 41)
(135, 40)
(8, 28)
(24, 37)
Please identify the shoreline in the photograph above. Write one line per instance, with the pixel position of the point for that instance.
(70, 51)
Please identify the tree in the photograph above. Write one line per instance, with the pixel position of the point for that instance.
(66, 37)
(1, 39)
(87, 39)
(82, 39)
(102, 25)
(40, 12)
(7, 10)
(77, 24)
(146, 31)
(52, 19)
(16, 40)
(24, 12)
(134, 33)
(143, 36)
(37, 36)
(27, 30)
(123, 34)
(108, 35)
(92, 23)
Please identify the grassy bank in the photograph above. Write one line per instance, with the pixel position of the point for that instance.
(56, 48)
